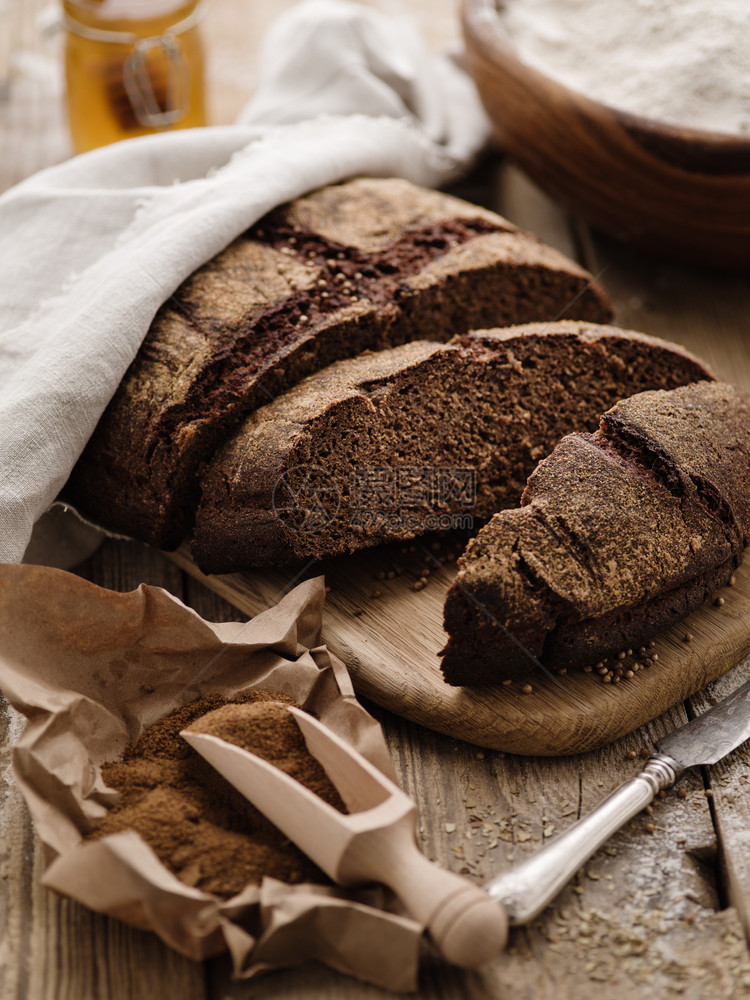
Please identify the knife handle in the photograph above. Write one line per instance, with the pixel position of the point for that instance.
(526, 889)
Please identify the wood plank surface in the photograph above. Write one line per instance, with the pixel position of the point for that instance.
(649, 916)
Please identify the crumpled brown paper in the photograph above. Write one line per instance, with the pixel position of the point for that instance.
(91, 669)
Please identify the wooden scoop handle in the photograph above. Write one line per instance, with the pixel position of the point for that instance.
(467, 927)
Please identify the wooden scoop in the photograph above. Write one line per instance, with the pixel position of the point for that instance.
(376, 842)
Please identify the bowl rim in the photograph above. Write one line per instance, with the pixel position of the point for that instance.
(496, 37)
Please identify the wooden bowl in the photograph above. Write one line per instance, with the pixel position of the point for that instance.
(677, 191)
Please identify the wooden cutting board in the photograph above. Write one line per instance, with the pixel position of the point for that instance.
(390, 644)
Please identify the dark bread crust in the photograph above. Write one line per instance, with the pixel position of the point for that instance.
(362, 265)
(494, 400)
(580, 643)
(620, 534)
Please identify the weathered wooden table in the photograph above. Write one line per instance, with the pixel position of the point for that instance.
(663, 909)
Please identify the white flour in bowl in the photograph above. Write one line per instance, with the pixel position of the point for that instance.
(686, 62)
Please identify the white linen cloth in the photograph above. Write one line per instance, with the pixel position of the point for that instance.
(91, 248)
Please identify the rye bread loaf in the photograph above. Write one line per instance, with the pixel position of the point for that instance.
(391, 444)
(360, 265)
(620, 534)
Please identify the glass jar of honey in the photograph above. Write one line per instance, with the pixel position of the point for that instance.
(132, 67)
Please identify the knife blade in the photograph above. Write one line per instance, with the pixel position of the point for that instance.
(711, 736)
(528, 887)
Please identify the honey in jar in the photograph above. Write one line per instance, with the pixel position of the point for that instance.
(132, 67)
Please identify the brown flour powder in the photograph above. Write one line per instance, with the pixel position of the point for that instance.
(198, 825)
